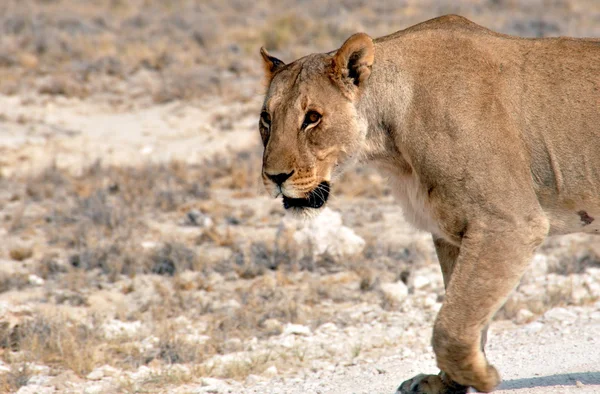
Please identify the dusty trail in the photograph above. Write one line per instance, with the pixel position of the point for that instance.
(560, 353)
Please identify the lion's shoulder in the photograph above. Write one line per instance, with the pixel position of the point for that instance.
(449, 23)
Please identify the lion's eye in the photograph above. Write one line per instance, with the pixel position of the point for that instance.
(265, 119)
(265, 126)
(311, 117)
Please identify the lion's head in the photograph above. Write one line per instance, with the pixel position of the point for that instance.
(309, 123)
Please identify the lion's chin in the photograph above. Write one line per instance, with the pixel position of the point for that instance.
(311, 205)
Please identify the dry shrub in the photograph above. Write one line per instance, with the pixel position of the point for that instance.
(174, 257)
(17, 377)
(20, 253)
(174, 348)
(12, 281)
(100, 215)
(57, 340)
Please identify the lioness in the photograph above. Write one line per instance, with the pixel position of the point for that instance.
(492, 143)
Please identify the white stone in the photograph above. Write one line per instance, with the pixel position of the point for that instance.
(96, 374)
(117, 329)
(149, 244)
(288, 341)
(197, 338)
(101, 372)
(94, 389)
(328, 328)
(396, 291)
(421, 282)
(326, 234)
(296, 329)
(560, 315)
(251, 380)
(271, 371)
(35, 280)
(180, 369)
(213, 382)
(38, 368)
(36, 389)
(197, 218)
(142, 373)
(146, 150)
(536, 326)
(39, 380)
(430, 301)
(524, 316)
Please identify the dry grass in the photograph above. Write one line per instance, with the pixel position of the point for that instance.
(17, 377)
(200, 49)
(94, 226)
(54, 340)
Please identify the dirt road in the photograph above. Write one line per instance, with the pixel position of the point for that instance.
(559, 353)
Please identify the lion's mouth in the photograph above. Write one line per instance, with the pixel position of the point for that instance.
(316, 198)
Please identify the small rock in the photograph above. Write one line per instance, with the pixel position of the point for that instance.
(296, 329)
(271, 372)
(36, 389)
(180, 369)
(197, 218)
(560, 314)
(211, 382)
(4, 367)
(101, 372)
(96, 374)
(35, 280)
(431, 301)
(212, 385)
(226, 305)
(328, 328)
(251, 380)
(65, 381)
(142, 373)
(94, 389)
(273, 325)
(117, 328)
(536, 326)
(39, 380)
(421, 282)
(149, 245)
(326, 234)
(232, 344)
(524, 316)
(396, 291)
(579, 384)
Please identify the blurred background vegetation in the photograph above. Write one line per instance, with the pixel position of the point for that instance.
(210, 47)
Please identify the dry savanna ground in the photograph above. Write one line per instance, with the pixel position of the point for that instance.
(139, 251)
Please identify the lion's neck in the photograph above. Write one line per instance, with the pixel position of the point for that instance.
(382, 107)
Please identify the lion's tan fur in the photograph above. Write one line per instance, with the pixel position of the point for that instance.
(492, 142)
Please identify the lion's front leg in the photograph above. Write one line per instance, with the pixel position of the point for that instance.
(487, 268)
(441, 383)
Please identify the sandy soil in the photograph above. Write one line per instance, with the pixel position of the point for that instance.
(38, 131)
(560, 353)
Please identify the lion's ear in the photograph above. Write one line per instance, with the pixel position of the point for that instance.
(354, 59)
(271, 63)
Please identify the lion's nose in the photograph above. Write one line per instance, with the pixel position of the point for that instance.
(280, 178)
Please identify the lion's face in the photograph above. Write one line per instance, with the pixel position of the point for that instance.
(309, 126)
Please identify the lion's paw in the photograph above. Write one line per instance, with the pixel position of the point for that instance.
(430, 384)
